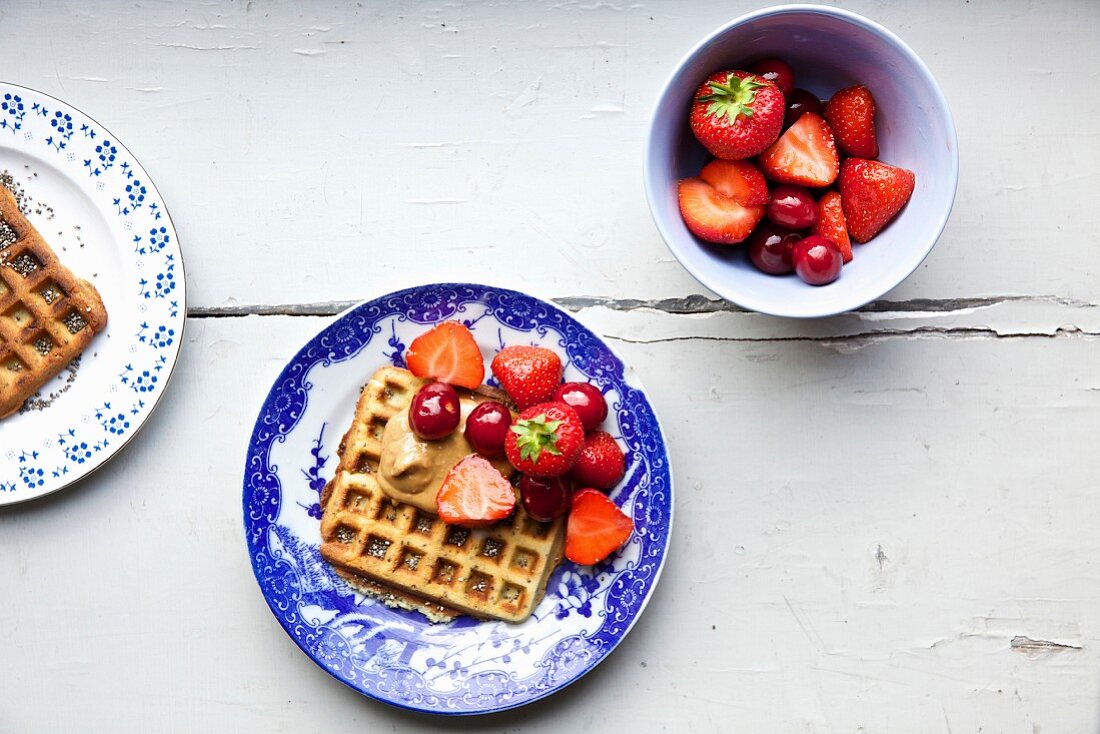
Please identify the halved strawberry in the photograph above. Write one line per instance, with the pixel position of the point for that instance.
(474, 494)
(872, 194)
(447, 353)
(831, 225)
(739, 180)
(596, 528)
(805, 154)
(713, 217)
(851, 114)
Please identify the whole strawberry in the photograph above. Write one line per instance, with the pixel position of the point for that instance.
(736, 114)
(851, 114)
(529, 375)
(871, 194)
(601, 463)
(545, 440)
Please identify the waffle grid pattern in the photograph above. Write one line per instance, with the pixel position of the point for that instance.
(498, 572)
(47, 315)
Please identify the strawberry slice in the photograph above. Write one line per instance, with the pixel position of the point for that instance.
(805, 154)
(851, 113)
(475, 494)
(830, 223)
(596, 528)
(872, 194)
(447, 353)
(739, 180)
(714, 217)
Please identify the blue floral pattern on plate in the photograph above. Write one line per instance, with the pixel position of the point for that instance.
(466, 666)
(119, 384)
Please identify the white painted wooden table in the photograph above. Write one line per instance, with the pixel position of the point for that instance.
(887, 521)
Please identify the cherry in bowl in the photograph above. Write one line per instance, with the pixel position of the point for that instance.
(800, 102)
(770, 249)
(817, 260)
(777, 71)
(792, 207)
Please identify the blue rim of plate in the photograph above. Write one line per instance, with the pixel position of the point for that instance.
(45, 465)
(289, 587)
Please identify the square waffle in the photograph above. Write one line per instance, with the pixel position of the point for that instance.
(413, 559)
(47, 315)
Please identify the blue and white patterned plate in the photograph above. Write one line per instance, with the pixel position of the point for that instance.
(466, 666)
(99, 211)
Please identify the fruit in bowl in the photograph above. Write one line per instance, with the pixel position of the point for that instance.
(778, 157)
(827, 49)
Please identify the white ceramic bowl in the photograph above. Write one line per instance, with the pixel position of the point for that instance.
(829, 49)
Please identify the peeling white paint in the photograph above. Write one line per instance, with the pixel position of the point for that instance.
(224, 47)
(527, 97)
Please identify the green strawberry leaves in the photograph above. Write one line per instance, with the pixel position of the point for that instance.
(732, 99)
(536, 435)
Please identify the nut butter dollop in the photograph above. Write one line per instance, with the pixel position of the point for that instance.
(412, 469)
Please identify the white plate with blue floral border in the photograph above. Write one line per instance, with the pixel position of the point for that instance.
(466, 666)
(96, 207)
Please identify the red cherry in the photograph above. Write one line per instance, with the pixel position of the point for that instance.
(486, 427)
(775, 70)
(434, 411)
(817, 260)
(586, 399)
(792, 207)
(770, 249)
(799, 102)
(545, 499)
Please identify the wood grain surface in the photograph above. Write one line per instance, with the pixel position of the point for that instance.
(886, 520)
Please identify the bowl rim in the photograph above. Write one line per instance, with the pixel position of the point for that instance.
(648, 164)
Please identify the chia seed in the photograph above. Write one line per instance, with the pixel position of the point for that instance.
(378, 547)
(492, 547)
(75, 322)
(8, 236)
(43, 345)
(50, 294)
(457, 536)
(25, 264)
(37, 402)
